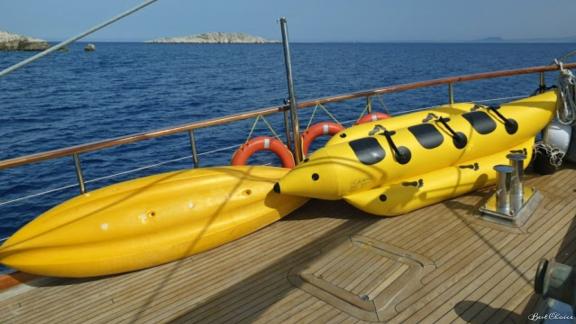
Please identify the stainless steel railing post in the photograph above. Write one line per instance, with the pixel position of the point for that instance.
(451, 93)
(293, 105)
(79, 174)
(542, 83)
(195, 158)
(503, 182)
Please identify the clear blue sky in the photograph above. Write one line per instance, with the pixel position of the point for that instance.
(309, 20)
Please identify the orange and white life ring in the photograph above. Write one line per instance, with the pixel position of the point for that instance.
(263, 143)
(372, 117)
(317, 130)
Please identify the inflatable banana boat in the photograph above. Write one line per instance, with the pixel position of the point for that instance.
(148, 221)
(393, 166)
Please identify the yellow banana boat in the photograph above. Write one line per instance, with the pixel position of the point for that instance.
(403, 196)
(380, 153)
(148, 221)
(401, 121)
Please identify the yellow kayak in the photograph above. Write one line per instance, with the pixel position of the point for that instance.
(383, 152)
(148, 221)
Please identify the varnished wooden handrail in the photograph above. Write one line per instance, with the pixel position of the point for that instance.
(90, 147)
(432, 83)
(68, 151)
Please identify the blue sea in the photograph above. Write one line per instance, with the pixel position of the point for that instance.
(76, 97)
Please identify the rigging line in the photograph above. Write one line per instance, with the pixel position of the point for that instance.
(312, 117)
(328, 113)
(112, 176)
(73, 39)
(271, 128)
(404, 112)
(500, 99)
(252, 128)
(220, 149)
(384, 107)
(37, 194)
(362, 113)
(150, 166)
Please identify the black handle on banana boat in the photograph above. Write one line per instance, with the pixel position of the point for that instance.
(510, 124)
(402, 154)
(460, 140)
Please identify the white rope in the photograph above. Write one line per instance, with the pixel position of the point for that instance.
(566, 112)
(555, 155)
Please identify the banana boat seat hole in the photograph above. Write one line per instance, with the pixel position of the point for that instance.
(367, 150)
(427, 135)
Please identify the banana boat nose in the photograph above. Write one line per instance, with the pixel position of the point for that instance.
(313, 180)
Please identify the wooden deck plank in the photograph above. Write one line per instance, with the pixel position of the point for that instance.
(138, 276)
(166, 273)
(503, 262)
(432, 293)
(490, 287)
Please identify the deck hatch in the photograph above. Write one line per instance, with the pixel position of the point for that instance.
(427, 135)
(363, 277)
(480, 121)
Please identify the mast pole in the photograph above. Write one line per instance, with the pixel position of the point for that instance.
(297, 150)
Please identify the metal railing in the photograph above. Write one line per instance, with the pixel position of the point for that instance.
(195, 156)
(191, 127)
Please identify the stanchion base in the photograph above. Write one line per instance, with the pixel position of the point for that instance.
(489, 212)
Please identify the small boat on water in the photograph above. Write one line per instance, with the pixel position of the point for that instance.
(251, 250)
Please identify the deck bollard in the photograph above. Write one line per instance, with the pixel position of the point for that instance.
(504, 181)
(517, 188)
(512, 203)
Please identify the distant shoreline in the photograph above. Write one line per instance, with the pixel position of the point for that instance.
(325, 42)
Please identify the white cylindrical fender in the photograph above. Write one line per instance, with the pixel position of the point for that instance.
(558, 135)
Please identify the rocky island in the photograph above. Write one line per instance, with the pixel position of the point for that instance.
(213, 38)
(15, 42)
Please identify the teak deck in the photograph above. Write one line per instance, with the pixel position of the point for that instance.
(331, 263)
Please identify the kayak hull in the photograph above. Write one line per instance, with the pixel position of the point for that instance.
(148, 221)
